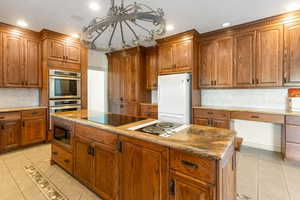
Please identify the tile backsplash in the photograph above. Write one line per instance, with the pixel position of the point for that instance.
(11, 97)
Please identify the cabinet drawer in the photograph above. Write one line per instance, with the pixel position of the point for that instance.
(148, 108)
(207, 113)
(62, 157)
(96, 134)
(201, 121)
(34, 113)
(194, 166)
(293, 151)
(259, 117)
(10, 116)
(293, 120)
(292, 133)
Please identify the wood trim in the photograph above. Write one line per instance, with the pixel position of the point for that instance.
(84, 78)
(178, 37)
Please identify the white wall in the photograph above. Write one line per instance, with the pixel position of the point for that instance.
(97, 81)
(256, 134)
(10, 97)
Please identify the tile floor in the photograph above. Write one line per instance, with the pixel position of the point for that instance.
(261, 175)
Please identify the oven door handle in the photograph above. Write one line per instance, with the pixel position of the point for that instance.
(63, 107)
(64, 78)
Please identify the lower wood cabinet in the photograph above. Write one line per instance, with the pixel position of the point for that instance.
(143, 170)
(187, 188)
(149, 110)
(213, 118)
(62, 157)
(33, 131)
(96, 165)
(291, 139)
(10, 134)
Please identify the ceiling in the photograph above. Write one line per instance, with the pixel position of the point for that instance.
(69, 16)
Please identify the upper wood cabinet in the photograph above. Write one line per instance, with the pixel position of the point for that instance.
(292, 54)
(151, 55)
(216, 63)
(269, 54)
(244, 59)
(21, 61)
(176, 54)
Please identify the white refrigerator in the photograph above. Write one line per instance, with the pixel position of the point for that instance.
(174, 98)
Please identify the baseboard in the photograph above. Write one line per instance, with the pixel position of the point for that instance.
(276, 148)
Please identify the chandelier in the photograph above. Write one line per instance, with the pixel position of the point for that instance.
(136, 23)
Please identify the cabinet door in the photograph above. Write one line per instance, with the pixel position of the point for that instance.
(269, 56)
(114, 78)
(142, 173)
(219, 123)
(13, 60)
(83, 160)
(32, 63)
(129, 78)
(201, 121)
(292, 54)
(56, 50)
(244, 63)
(224, 62)
(165, 58)
(72, 52)
(151, 68)
(183, 56)
(183, 188)
(33, 131)
(207, 64)
(10, 134)
(105, 171)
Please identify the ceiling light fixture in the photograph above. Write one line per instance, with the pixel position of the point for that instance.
(22, 23)
(94, 6)
(142, 23)
(293, 7)
(75, 35)
(170, 27)
(227, 24)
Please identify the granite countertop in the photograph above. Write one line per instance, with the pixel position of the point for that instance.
(20, 109)
(259, 110)
(201, 140)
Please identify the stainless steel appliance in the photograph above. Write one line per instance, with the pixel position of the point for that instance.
(62, 135)
(64, 84)
(159, 128)
(64, 105)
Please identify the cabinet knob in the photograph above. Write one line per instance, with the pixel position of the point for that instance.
(189, 164)
(172, 187)
(54, 153)
(67, 161)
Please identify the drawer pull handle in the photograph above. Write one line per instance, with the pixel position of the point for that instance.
(1, 117)
(172, 187)
(34, 113)
(67, 161)
(210, 113)
(191, 165)
(55, 153)
(255, 117)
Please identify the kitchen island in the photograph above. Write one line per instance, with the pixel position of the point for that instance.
(196, 163)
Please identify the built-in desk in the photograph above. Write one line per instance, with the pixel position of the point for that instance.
(290, 139)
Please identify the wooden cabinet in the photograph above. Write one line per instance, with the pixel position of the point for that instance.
(127, 81)
(62, 157)
(292, 54)
(244, 59)
(13, 60)
(213, 118)
(176, 54)
(33, 126)
(216, 63)
(21, 61)
(149, 110)
(64, 50)
(186, 188)
(10, 125)
(291, 139)
(96, 161)
(151, 67)
(269, 53)
(140, 161)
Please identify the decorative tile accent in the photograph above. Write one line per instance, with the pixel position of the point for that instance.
(49, 190)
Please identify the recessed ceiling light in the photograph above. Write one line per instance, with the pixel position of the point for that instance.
(170, 27)
(94, 6)
(75, 35)
(22, 23)
(226, 24)
(293, 7)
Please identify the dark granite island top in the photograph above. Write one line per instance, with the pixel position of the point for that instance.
(200, 140)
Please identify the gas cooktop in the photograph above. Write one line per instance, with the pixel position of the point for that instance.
(164, 129)
(113, 119)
